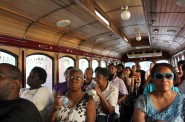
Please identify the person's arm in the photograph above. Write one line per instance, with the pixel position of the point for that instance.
(121, 98)
(55, 89)
(57, 104)
(105, 104)
(132, 84)
(147, 81)
(52, 115)
(54, 93)
(140, 109)
(127, 80)
(139, 116)
(91, 111)
(123, 92)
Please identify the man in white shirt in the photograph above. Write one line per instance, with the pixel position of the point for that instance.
(119, 83)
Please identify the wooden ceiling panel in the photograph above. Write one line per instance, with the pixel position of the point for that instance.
(100, 47)
(69, 40)
(63, 14)
(166, 30)
(110, 5)
(68, 44)
(43, 34)
(81, 13)
(85, 48)
(180, 40)
(165, 37)
(175, 44)
(169, 19)
(114, 53)
(16, 25)
(132, 30)
(182, 33)
(137, 17)
(103, 37)
(116, 18)
(86, 44)
(30, 8)
(96, 51)
(36, 20)
(62, 2)
(89, 31)
(105, 52)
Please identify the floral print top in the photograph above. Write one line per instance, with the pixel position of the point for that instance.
(174, 113)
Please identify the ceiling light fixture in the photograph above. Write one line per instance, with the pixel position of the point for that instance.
(138, 36)
(102, 17)
(126, 39)
(99, 40)
(63, 23)
(125, 14)
(172, 31)
(156, 30)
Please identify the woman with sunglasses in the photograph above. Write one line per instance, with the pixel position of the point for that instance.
(163, 104)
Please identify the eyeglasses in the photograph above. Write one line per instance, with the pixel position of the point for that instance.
(4, 75)
(160, 76)
(78, 78)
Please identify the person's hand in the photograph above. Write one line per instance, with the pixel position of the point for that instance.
(97, 89)
(58, 102)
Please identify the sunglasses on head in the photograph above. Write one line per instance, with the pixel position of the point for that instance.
(159, 76)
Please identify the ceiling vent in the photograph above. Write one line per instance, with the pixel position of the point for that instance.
(144, 54)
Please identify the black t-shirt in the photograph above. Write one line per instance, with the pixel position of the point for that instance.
(20, 110)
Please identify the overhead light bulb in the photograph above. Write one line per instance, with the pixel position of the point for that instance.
(138, 37)
(125, 14)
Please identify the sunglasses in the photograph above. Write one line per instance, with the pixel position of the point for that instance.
(160, 76)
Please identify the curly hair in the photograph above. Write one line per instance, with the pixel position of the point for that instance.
(104, 71)
(41, 72)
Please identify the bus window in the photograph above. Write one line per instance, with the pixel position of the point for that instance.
(7, 58)
(40, 61)
(83, 64)
(103, 64)
(145, 65)
(129, 64)
(64, 63)
(182, 57)
(95, 64)
(162, 61)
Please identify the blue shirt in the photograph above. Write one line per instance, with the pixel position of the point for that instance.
(151, 87)
(174, 113)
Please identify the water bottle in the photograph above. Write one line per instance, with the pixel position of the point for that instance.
(90, 90)
(91, 86)
(66, 102)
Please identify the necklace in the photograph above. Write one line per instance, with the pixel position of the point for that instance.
(70, 114)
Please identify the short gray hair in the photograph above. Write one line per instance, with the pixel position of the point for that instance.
(76, 70)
